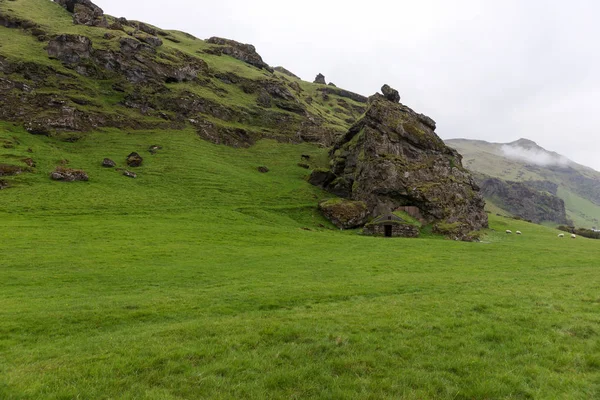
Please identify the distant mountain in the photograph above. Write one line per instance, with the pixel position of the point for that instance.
(548, 172)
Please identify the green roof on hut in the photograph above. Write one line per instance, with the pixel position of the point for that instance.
(389, 217)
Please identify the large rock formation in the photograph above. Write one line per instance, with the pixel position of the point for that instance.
(320, 78)
(392, 157)
(523, 201)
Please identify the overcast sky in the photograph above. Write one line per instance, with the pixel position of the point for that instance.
(494, 70)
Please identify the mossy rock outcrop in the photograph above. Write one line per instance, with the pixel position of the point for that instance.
(392, 157)
(345, 214)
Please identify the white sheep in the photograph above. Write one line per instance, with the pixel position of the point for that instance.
(508, 231)
(561, 235)
(573, 236)
(518, 232)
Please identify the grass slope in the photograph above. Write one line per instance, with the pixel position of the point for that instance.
(203, 278)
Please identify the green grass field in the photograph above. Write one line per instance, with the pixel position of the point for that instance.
(204, 278)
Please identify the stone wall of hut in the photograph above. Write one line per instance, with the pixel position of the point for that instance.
(398, 230)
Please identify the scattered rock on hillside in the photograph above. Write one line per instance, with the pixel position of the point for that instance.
(108, 163)
(390, 158)
(243, 52)
(154, 148)
(263, 169)
(390, 93)
(331, 84)
(343, 93)
(84, 12)
(129, 174)
(320, 78)
(296, 87)
(3, 184)
(153, 41)
(9, 170)
(29, 161)
(304, 165)
(285, 72)
(345, 214)
(264, 99)
(68, 174)
(134, 160)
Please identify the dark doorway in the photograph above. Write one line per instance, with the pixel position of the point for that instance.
(388, 230)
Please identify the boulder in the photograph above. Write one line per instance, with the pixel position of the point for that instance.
(390, 93)
(3, 184)
(108, 163)
(320, 78)
(84, 12)
(134, 160)
(243, 52)
(68, 174)
(345, 214)
(390, 158)
(263, 169)
(129, 174)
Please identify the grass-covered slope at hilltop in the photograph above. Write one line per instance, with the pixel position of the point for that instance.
(578, 186)
(63, 79)
(204, 278)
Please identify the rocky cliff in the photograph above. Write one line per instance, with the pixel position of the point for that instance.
(81, 70)
(526, 202)
(392, 157)
(539, 169)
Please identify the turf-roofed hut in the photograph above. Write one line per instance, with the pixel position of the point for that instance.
(390, 225)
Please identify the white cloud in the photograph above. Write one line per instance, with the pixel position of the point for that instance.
(536, 156)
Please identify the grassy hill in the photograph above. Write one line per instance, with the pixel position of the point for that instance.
(204, 278)
(577, 185)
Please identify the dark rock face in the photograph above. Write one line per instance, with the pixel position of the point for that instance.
(390, 94)
(243, 52)
(84, 12)
(320, 78)
(68, 175)
(345, 214)
(389, 159)
(108, 163)
(134, 160)
(70, 49)
(525, 202)
(264, 99)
